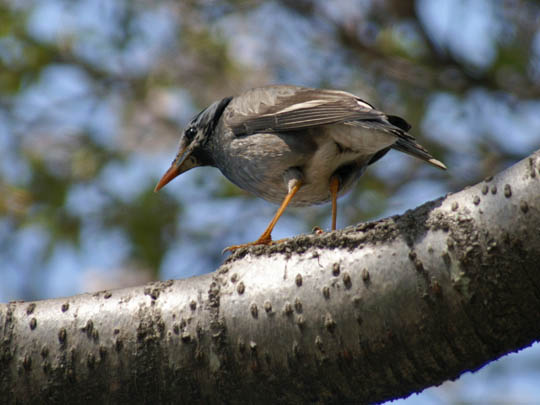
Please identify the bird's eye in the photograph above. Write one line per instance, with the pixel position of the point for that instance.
(190, 133)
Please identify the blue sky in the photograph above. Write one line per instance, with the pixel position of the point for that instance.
(63, 101)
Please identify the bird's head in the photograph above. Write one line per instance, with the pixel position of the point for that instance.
(191, 151)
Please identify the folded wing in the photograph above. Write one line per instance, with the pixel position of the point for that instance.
(297, 109)
(289, 108)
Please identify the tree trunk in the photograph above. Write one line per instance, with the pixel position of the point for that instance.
(370, 313)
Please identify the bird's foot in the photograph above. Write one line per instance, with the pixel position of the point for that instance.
(263, 240)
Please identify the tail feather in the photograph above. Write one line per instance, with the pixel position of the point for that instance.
(409, 146)
(405, 143)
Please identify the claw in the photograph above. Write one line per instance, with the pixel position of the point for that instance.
(266, 237)
(261, 241)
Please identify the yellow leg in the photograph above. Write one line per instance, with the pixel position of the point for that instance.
(334, 186)
(266, 237)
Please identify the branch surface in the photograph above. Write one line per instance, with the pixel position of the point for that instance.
(366, 314)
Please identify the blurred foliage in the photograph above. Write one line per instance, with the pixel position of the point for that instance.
(150, 224)
(93, 95)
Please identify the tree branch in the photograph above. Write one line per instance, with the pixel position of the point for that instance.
(370, 313)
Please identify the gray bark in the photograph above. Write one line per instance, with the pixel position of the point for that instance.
(369, 313)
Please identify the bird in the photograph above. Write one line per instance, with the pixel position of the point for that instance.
(292, 145)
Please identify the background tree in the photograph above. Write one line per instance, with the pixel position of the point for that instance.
(93, 94)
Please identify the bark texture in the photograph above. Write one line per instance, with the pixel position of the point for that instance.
(369, 313)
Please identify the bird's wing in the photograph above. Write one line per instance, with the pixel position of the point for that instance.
(288, 108)
(292, 108)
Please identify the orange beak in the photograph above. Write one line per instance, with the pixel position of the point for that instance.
(178, 167)
(167, 177)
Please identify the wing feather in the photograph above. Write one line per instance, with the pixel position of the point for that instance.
(292, 108)
(297, 109)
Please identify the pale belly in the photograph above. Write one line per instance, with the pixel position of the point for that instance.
(257, 163)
